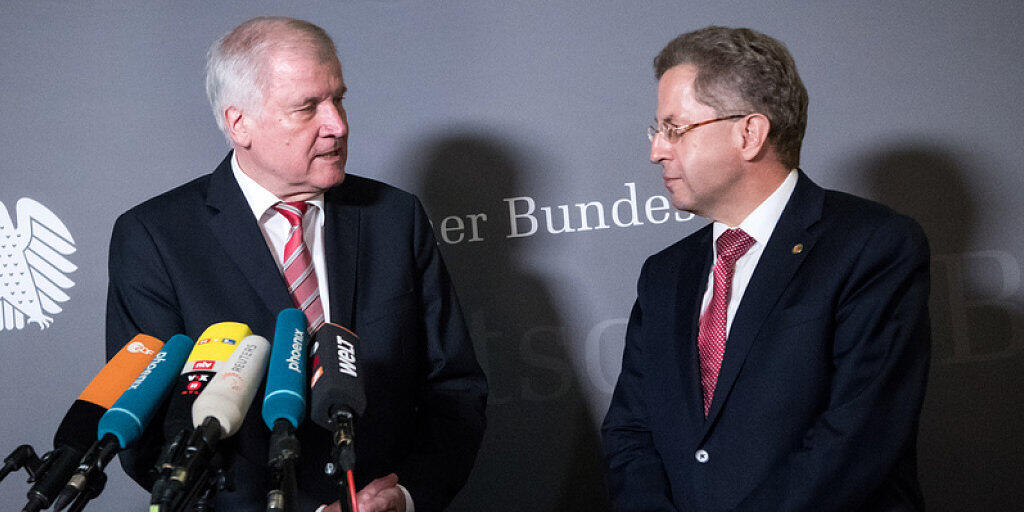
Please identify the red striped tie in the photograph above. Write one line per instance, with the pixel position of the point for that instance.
(298, 266)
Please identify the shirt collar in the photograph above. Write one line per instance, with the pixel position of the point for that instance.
(260, 199)
(760, 223)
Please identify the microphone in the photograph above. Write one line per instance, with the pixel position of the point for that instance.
(217, 413)
(212, 349)
(336, 389)
(337, 399)
(125, 421)
(285, 396)
(284, 405)
(78, 428)
(230, 393)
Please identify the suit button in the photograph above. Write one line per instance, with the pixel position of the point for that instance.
(701, 456)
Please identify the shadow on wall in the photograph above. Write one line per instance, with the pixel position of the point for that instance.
(971, 445)
(541, 450)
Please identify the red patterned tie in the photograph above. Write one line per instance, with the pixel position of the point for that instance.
(298, 266)
(731, 245)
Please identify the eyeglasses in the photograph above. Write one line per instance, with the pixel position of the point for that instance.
(674, 133)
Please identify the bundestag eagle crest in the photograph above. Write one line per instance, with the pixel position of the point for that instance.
(33, 265)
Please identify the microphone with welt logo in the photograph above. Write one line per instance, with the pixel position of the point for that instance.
(125, 421)
(337, 399)
(212, 349)
(284, 406)
(77, 430)
(217, 414)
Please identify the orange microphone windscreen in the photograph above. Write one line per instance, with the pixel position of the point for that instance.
(121, 371)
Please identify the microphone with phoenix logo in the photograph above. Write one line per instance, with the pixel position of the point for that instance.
(217, 414)
(124, 422)
(77, 430)
(337, 399)
(284, 406)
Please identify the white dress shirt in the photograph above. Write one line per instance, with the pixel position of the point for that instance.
(275, 229)
(759, 225)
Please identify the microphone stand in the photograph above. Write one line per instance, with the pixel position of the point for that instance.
(57, 465)
(172, 453)
(200, 496)
(94, 486)
(344, 459)
(185, 478)
(284, 451)
(89, 479)
(22, 457)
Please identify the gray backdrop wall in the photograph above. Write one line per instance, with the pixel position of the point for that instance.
(489, 107)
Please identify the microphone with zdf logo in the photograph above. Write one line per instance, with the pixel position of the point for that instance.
(125, 421)
(77, 430)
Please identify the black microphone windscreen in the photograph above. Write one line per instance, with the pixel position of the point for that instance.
(78, 428)
(335, 382)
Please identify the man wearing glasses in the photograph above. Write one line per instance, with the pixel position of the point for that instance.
(775, 359)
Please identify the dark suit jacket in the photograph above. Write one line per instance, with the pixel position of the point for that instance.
(195, 256)
(818, 399)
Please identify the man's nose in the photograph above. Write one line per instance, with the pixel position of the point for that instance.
(659, 148)
(333, 122)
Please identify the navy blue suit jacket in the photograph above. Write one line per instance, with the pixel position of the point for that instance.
(817, 403)
(195, 256)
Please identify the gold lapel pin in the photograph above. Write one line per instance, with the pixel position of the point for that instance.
(798, 248)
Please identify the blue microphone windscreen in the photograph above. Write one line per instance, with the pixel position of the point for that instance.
(285, 395)
(136, 406)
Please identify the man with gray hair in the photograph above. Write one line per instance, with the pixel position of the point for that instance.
(776, 359)
(280, 224)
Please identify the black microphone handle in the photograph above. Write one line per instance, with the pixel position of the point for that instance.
(93, 489)
(75, 434)
(169, 456)
(89, 476)
(283, 496)
(344, 454)
(54, 475)
(284, 451)
(343, 439)
(22, 457)
(186, 475)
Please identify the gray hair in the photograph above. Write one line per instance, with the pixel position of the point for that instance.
(741, 70)
(235, 74)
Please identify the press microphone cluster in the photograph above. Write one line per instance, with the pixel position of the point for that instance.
(124, 422)
(209, 386)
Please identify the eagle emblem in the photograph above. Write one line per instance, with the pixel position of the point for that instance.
(33, 266)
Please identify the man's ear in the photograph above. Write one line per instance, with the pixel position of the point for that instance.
(752, 135)
(237, 123)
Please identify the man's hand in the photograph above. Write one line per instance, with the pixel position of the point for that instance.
(380, 495)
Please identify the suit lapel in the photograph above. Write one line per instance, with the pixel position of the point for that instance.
(234, 226)
(341, 248)
(693, 277)
(776, 268)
